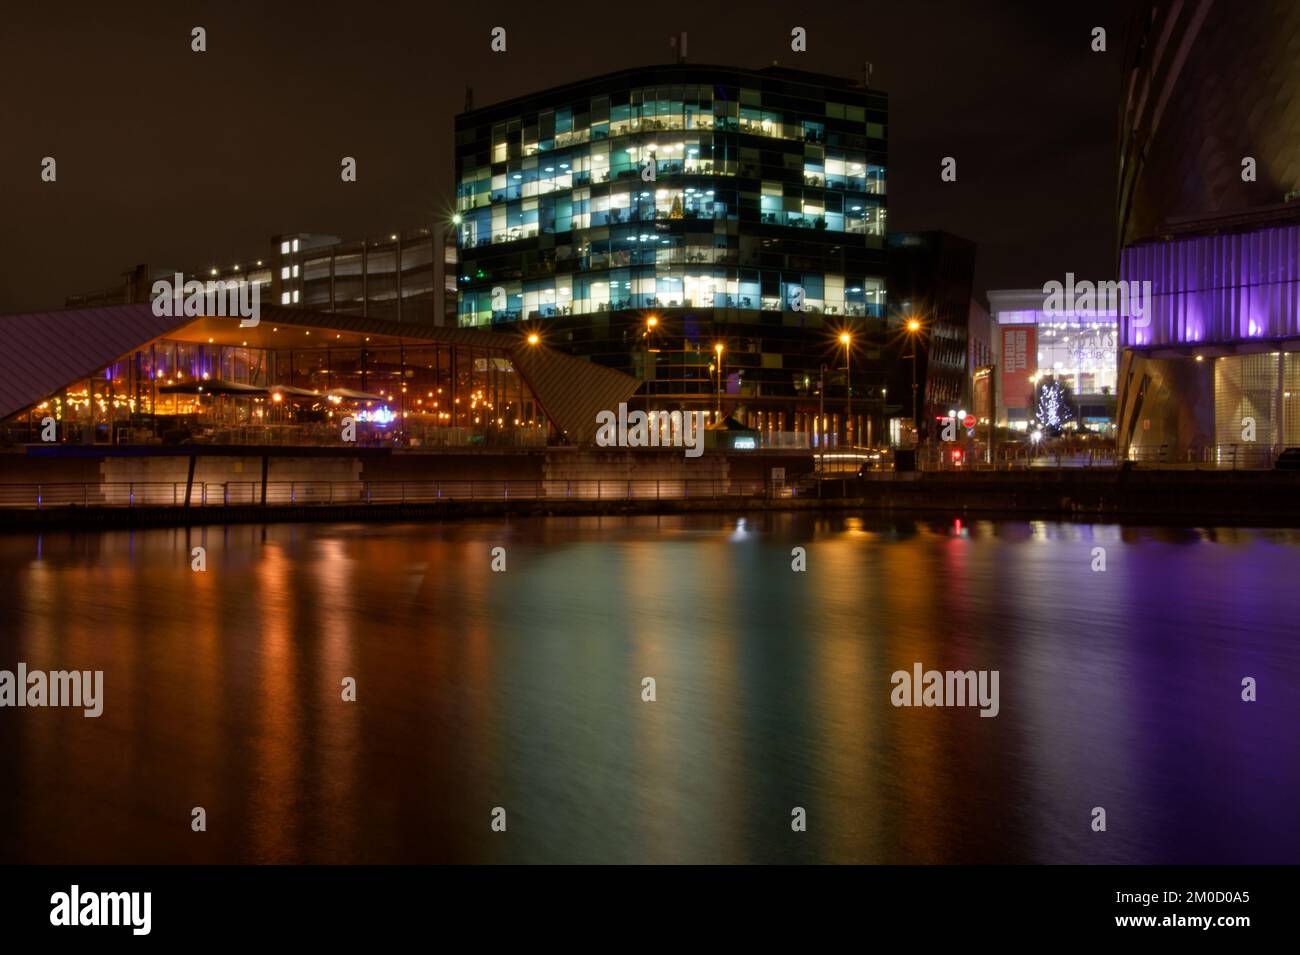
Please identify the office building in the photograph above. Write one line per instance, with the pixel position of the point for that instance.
(713, 231)
(931, 281)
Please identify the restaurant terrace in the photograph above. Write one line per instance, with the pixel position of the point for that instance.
(121, 375)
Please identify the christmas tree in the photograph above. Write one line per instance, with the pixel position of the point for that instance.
(1053, 409)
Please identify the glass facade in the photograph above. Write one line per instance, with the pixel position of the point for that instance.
(1077, 349)
(410, 394)
(745, 207)
(1246, 389)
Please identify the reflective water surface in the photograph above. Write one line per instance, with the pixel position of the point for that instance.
(522, 689)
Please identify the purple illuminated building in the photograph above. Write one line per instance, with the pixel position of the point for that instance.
(1210, 373)
(1234, 289)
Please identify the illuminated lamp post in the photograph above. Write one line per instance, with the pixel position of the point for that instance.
(651, 323)
(847, 341)
(717, 350)
(913, 330)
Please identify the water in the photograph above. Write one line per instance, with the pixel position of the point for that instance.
(523, 690)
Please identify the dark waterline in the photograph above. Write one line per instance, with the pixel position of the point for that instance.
(523, 689)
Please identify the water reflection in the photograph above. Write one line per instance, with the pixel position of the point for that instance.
(523, 689)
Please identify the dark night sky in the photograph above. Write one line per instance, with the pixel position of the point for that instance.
(182, 159)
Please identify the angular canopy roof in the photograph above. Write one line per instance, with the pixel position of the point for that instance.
(44, 352)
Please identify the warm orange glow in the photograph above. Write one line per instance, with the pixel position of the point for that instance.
(718, 348)
(913, 325)
(534, 338)
(845, 338)
(652, 321)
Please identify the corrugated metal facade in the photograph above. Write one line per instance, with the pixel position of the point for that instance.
(1234, 287)
(45, 351)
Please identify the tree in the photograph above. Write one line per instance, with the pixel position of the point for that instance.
(1053, 408)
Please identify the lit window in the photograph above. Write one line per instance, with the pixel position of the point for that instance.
(295, 271)
(284, 248)
(295, 296)
(284, 298)
(295, 245)
(284, 272)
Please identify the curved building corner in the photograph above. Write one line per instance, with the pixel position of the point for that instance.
(1209, 225)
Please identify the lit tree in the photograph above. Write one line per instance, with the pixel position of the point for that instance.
(1053, 409)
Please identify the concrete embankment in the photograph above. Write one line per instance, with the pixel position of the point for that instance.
(76, 486)
(1187, 495)
(1160, 496)
(87, 487)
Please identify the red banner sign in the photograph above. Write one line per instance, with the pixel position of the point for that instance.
(1019, 362)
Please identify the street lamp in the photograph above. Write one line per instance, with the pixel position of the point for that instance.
(534, 338)
(884, 404)
(913, 329)
(651, 323)
(821, 426)
(717, 350)
(847, 341)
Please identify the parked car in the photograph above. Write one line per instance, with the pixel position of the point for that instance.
(1288, 460)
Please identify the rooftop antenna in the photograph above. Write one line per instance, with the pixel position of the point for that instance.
(866, 74)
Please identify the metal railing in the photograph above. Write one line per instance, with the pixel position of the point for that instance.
(1223, 457)
(1219, 457)
(301, 435)
(243, 493)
